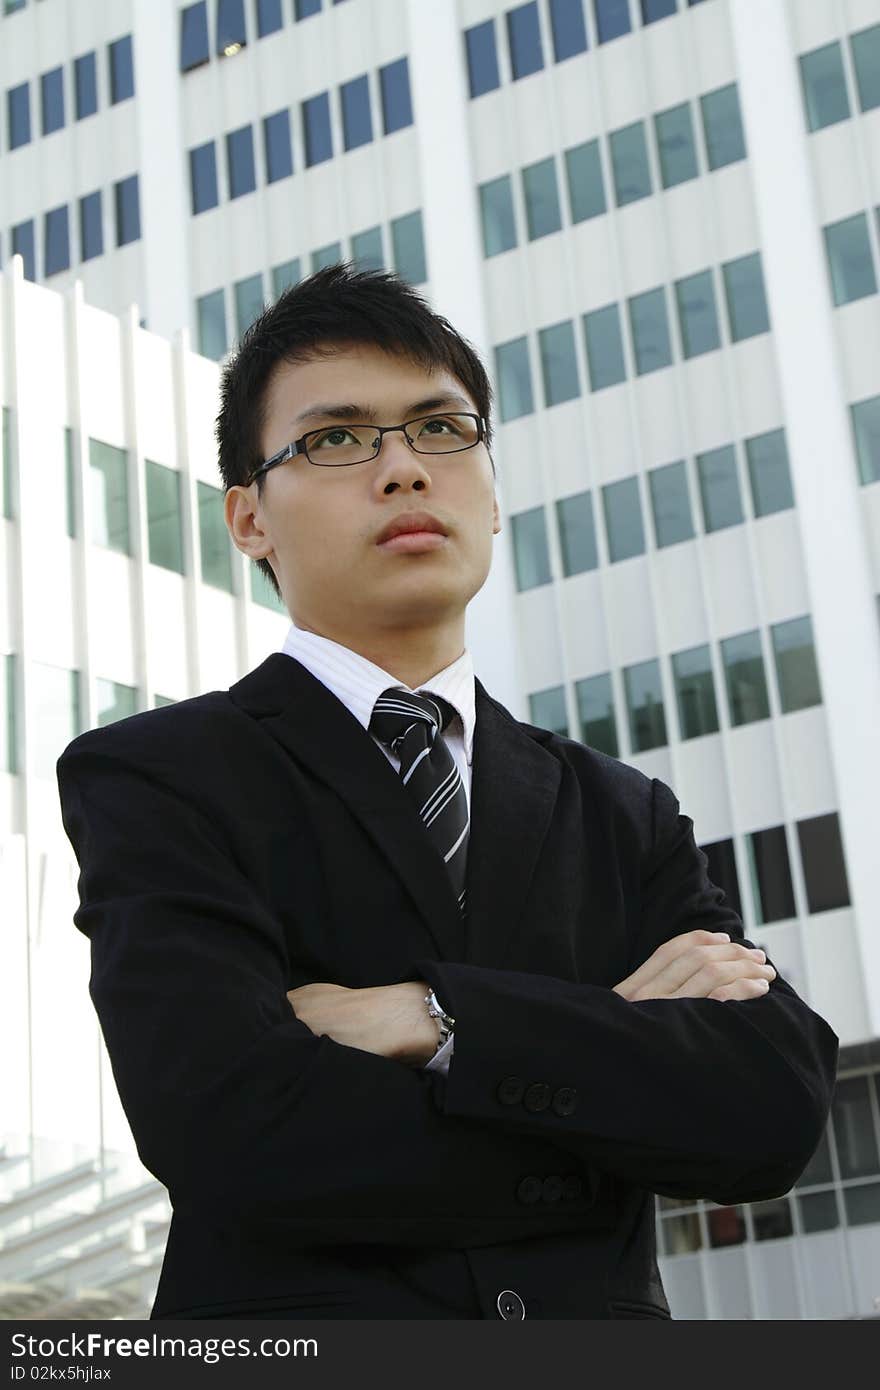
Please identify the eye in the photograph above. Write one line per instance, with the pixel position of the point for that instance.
(438, 420)
(327, 436)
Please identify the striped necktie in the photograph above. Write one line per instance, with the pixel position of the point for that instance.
(410, 725)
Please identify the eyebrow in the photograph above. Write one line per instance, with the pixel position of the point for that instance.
(349, 410)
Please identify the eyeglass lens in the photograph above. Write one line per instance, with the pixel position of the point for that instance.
(431, 434)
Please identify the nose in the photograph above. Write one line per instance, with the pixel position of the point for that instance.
(399, 463)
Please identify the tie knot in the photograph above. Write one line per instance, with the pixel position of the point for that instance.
(397, 710)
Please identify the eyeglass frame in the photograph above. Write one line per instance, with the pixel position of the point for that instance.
(298, 446)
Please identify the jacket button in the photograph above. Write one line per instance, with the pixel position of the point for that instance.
(572, 1188)
(510, 1306)
(551, 1188)
(529, 1190)
(565, 1100)
(537, 1097)
(510, 1091)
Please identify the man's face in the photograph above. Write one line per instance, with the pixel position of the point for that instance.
(320, 524)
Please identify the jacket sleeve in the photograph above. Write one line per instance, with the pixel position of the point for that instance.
(686, 1097)
(244, 1114)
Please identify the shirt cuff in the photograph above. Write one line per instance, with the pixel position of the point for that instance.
(442, 1057)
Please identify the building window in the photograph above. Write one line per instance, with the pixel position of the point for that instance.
(604, 347)
(772, 892)
(303, 8)
(577, 533)
(108, 492)
(547, 710)
(114, 701)
(744, 677)
(671, 504)
(248, 302)
(769, 474)
(121, 69)
(650, 331)
(263, 593)
(530, 549)
(722, 126)
(56, 711)
(277, 146)
(629, 163)
(623, 519)
(128, 212)
(194, 46)
(558, 363)
(865, 47)
(211, 314)
(514, 378)
(164, 524)
(408, 248)
(721, 870)
(85, 85)
(524, 40)
(697, 314)
(848, 248)
(746, 301)
(214, 541)
(586, 187)
(598, 723)
(695, 692)
(316, 129)
(824, 86)
(644, 703)
(269, 17)
(24, 245)
(657, 9)
(396, 100)
(366, 249)
(796, 673)
(357, 122)
(719, 488)
(541, 198)
(18, 114)
(855, 1129)
(231, 32)
(612, 19)
(240, 166)
(52, 100)
(56, 241)
(675, 145)
(482, 58)
(283, 276)
(203, 177)
(568, 27)
(326, 255)
(866, 431)
(497, 216)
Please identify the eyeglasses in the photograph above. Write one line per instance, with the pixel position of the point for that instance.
(339, 446)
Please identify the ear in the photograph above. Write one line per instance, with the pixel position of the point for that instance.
(496, 515)
(242, 523)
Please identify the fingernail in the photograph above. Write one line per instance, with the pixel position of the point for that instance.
(722, 934)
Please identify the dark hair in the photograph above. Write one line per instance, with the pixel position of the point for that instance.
(337, 304)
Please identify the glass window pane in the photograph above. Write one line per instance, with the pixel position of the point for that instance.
(818, 1212)
(408, 248)
(214, 539)
(283, 275)
(796, 672)
(629, 163)
(531, 553)
(128, 211)
(558, 363)
(85, 85)
(854, 1130)
(114, 701)
(680, 1234)
(722, 126)
(824, 86)
(623, 518)
(524, 39)
(248, 302)
(547, 710)
(121, 69)
(18, 113)
(862, 1204)
(721, 870)
(24, 245)
(262, 591)
(612, 18)
(586, 187)
(277, 146)
(769, 473)
(866, 430)
(568, 28)
(203, 177)
(719, 488)
(650, 331)
(604, 347)
(598, 723)
(818, 1170)
(823, 862)
(866, 61)
(657, 9)
(231, 34)
(746, 302)
(514, 379)
(56, 242)
(357, 121)
(744, 676)
(695, 692)
(52, 100)
(211, 313)
(767, 854)
(303, 8)
(108, 495)
(697, 315)
(497, 216)
(675, 145)
(541, 197)
(671, 504)
(316, 128)
(366, 249)
(396, 100)
(772, 1220)
(269, 17)
(644, 702)
(194, 47)
(240, 161)
(850, 260)
(482, 58)
(164, 523)
(91, 226)
(326, 255)
(56, 714)
(577, 533)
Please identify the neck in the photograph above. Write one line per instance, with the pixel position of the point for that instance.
(410, 656)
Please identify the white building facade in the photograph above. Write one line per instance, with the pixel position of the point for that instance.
(658, 221)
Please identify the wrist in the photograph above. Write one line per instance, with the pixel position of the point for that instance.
(445, 1022)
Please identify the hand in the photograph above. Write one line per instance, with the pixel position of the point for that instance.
(389, 1020)
(700, 965)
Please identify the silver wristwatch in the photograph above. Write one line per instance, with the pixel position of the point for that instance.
(446, 1022)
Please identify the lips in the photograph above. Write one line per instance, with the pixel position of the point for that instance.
(408, 522)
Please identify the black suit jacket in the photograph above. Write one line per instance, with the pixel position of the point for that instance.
(244, 842)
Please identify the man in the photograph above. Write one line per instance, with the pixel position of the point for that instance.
(411, 1005)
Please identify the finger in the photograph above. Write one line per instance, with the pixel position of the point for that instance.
(667, 952)
(741, 989)
(719, 973)
(683, 968)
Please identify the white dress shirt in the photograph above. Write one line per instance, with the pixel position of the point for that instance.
(358, 683)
